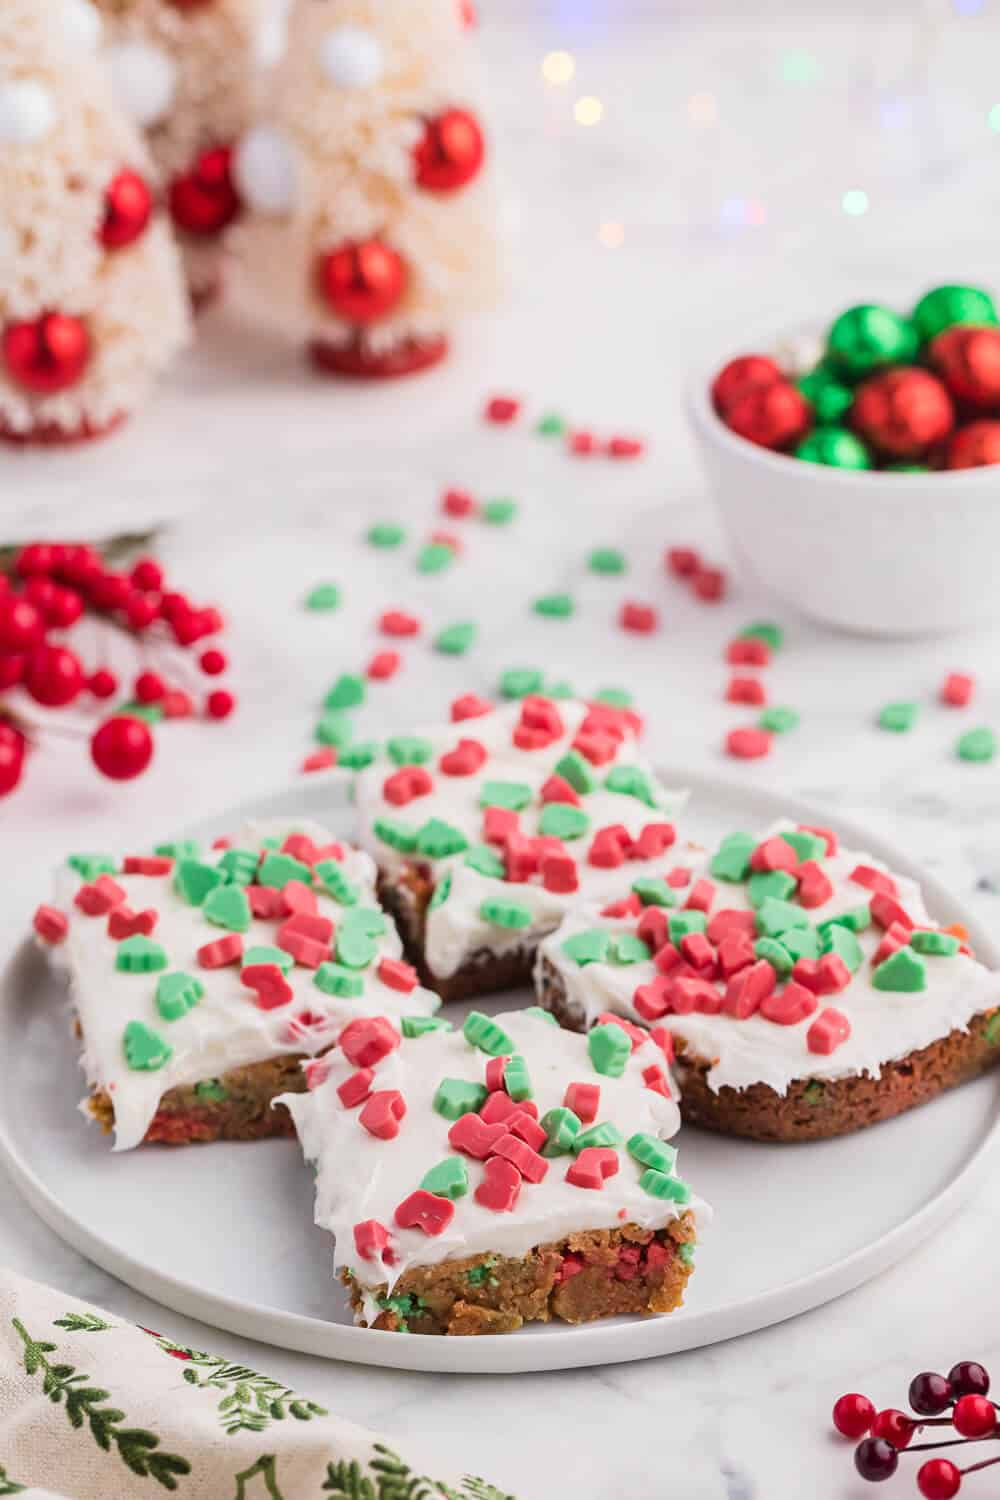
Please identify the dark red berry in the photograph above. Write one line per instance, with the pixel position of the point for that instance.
(853, 1415)
(875, 1459)
(974, 1416)
(895, 1426)
(122, 747)
(938, 1479)
(102, 683)
(968, 1378)
(929, 1393)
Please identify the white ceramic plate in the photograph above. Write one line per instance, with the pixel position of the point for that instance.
(224, 1233)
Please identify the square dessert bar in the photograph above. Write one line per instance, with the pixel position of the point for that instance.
(507, 1173)
(201, 979)
(487, 831)
(807, 990)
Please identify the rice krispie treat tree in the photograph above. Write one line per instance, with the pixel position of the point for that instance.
(185, 70)
(92, 303)
(371, 226)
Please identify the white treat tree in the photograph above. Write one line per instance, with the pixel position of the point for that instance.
(92, 298)
(186, 72)
(370, 224)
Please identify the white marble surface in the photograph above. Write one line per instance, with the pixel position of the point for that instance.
(278, 478)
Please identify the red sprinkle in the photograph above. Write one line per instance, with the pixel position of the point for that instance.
(499, 1107)
(467, 757)
(584, 1099)
(470, 706)
(793, 1005)
(957, 689)
(383, 665)
(559, 874)
(474, 1136)
(426, 1211)
(748, 744)
(500, 1187)
(874, 880)
(308, 951)
(458, 503)
(320, 760)
(582, 443)
(526, 1128)
(731, 920)
(735, 952)
(97, 900)
(824, 976)
(269, 985)
(366, 1041)
(50, 924)
(557, 789)
(709, 584)
(748, 989)
(682, 562)
(887, 912)
(147, 864)
(355, 1090)
(124, 922)
(827, 1032)
(177, 704)
(826, 834)
(531, 1166)
(500, 824)
(701, 896)
(748, 651)
(495, 1069)
(593, 1166)
(397, 975)
(502, 409)
(371, 1241)
(266, 902)
(382, 1113)
(815, 887)
(397, 622)
(223, 951)
(654, 839)
(641, 619)
(650, 1000)
(406, 784)
(774, 853)
(746, 690)
(626, 447)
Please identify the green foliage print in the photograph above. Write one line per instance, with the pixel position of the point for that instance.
(7, 1486)
(389, 1478)
(250, 1402)
(82, 1323)
(138, 1449)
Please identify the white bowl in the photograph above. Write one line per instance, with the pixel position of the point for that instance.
(876, 553)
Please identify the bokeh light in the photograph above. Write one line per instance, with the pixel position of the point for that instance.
(611, 234)
(588, 110)
(855, 202)
(558, 67)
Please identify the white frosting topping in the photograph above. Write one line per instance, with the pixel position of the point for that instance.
(225, 1029)
(456, 929)
(264, 166)
(361, 1177)
(144, 77)
(352, 57)
(884, 1026)
(27, 111)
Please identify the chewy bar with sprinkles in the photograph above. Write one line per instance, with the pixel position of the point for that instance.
(807, 989)
(507, 1172)
(200, 978)
(489, 830)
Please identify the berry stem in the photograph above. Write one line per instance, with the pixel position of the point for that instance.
(956, 1443)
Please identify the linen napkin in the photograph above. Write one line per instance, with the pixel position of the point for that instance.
(95, 1409)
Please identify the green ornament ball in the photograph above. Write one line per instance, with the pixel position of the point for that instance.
(945, 306)
(867, 338)
(835, 447)
(828, 396)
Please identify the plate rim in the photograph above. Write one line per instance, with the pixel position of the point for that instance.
(595, 1344)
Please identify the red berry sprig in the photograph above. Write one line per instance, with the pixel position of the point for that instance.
(53, 588)
(885, 1434)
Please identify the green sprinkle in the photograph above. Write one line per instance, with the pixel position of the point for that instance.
(517, 1080)
(437, 839)
(417, 1026)
(801, 942)
(455, 640)
(652, 891)
(477, 1275)
(455, 1097)
(659, 1185)
(449, 1179)
(898, 717)
(140, 955)
(179, 849)
(409, 750)
(562, 1127)
(89, 866)
(240, 866)
(541, 1015)
(682, 923)
(814, 1091)
(335, 729)
(212, 1090)
(510, 794)
(618, 697)
(499, 512)
(347, 692)
(367, 920)
(588, 947)
(176, 994)
(686, 1253)
(806, 845)
(626, 948)
(435, 557)
(483, 1032)
(397, 835)
(765, 884)
(631, 781)
(332, 979)
(842, 942)
(441, 891)
(731, 860)
(856, 919)
(330, 875)
(145, 1050)
(992, 1029)
(779, 720)
(903, 972)
(607, 560)
(650, 1151)
(572, 767)
(551, 425)
(977, 745)
(563, 821)
(151, 713)
(193, 880)
(509, 914)
(604, 1134)
(776, 954)
(484, 859)
(775, 917)
(938, 944)
(518, 682)
(355, 949)
(554, 606)
(324, 596)
(609, 1048)
(560, 689)
(264, 953)
(357, 756)
(386, 534)
(278, 869)
(227, 906)
(764, 630)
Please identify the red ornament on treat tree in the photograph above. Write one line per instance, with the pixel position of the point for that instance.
(21, 624)
(204, 201)
(122, 748)
(903, 412)
(773, 416)
(48, 354)
(974, 446)
(451, 152)
(968, 361)
(128, 208)
(362, 282)
(749, 372)
(53, 676)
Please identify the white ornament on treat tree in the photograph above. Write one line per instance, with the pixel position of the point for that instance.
(371, 225)
(144, 79)
(92, 302)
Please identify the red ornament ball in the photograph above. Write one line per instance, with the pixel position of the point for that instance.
(894, 1426)
(11, 758)
(212, 662)
(853, 1415)
(748, 372)
(141, 610)
(204, 201)
(149, 687)
(64, 608)
(974, 446)
(220, 704)
(903, 412)
(773, 416)
(38, 558)
(53, 676)
(451, 152)
(128, 208)
(21, 623)
(974, 1416)
(939, 1479)
(968, 361)
(102, 683)
(362, 281)
(47, 354)
(122, 747)
(147, 574)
